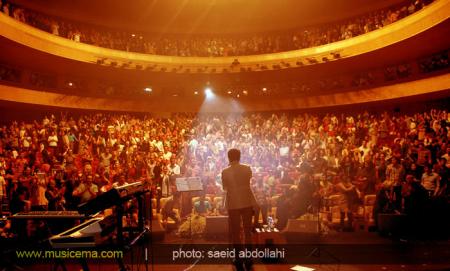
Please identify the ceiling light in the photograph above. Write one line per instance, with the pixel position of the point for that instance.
(148, 89)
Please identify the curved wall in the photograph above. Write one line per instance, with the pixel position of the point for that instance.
(438, 85)
(432, 15)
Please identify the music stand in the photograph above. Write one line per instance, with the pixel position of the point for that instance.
(317, 251)
(189, 184)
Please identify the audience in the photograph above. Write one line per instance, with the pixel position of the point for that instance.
(57, 163)
(196, 45)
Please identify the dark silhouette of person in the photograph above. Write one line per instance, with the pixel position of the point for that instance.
(240, 203)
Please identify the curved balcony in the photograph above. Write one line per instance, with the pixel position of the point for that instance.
(437, 86)
(410, 26)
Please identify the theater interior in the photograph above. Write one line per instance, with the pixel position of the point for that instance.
(119, 121)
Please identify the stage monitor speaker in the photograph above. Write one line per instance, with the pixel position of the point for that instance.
(216, 226)
(392, 224)
(301, 231)
(302, 226)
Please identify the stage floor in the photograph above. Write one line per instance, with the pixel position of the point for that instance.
(339, 251)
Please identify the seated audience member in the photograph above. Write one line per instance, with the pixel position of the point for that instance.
(202, 206)
(168, 209)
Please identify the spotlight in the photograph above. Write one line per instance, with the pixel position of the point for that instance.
(245, 92)
(70, 84)
(148, 89)
(195, 92)
(209, 93)
(229, 92)
(264, 89)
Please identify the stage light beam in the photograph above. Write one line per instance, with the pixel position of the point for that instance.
(209, 93)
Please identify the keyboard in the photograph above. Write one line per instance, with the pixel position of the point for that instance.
(48, 215)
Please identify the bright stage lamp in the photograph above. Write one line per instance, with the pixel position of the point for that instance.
(209, 93)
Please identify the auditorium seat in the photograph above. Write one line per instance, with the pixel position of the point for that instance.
(217, 202)
(369, 202)
(335, 215)
(335, 209)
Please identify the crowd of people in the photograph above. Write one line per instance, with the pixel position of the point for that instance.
(59, 162)
(206, 45)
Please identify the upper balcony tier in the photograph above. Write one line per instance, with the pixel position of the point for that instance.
(392, 33)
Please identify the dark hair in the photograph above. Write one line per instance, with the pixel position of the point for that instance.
(234, 155)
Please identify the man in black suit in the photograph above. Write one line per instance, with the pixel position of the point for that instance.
(240, 201)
